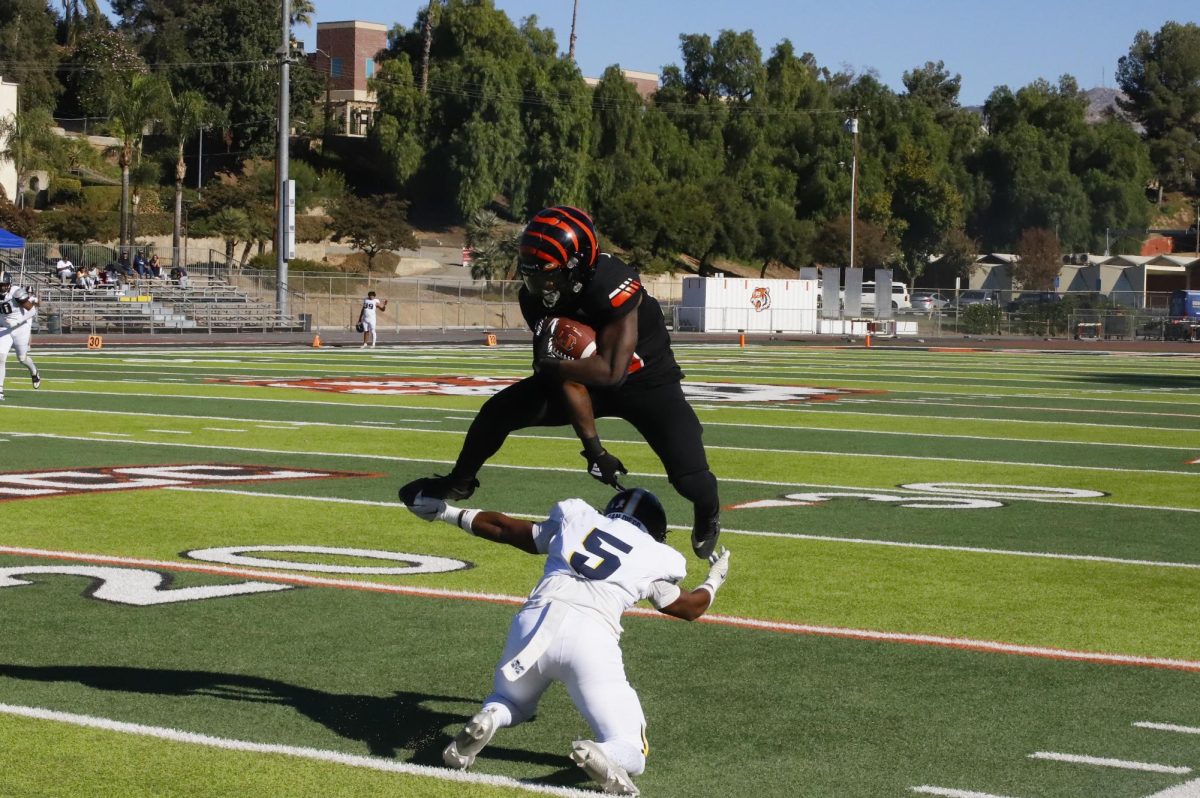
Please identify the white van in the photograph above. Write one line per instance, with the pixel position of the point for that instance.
(900, 298)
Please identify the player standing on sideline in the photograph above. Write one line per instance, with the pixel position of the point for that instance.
(17, 309)
(366, 317)
(569, 630)
(633, 374)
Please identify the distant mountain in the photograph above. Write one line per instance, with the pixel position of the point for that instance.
(1100, 100)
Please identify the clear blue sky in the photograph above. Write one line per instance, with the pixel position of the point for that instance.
(993, 43)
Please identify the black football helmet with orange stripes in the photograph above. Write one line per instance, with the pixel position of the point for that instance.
(558, 252)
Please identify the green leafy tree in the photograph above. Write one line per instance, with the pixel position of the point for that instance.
(1161, 80)
(135, 102)
(226, 50)
(373, 224)
(28, 49)
(493, 244)
(96, 68)
(1039, 260)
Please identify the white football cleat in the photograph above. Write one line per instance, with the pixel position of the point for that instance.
(473, 738)
(611, 777)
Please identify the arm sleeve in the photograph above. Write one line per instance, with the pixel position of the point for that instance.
(663, 593)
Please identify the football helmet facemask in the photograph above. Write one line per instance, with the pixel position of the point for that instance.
(557, 253)
(640, 508)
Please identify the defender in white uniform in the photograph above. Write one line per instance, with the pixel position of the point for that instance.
(366, 318)
(17, 309)
(597, 566)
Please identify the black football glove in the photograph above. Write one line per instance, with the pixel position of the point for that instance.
(601, 464)
(545, 353)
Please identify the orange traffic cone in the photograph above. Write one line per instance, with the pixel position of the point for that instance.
(316, 342)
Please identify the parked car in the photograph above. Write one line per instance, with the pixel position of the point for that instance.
(900, 298)
(975, 297)
(928, 301)
(1028, 300)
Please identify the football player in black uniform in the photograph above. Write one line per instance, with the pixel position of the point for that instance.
(633, 374)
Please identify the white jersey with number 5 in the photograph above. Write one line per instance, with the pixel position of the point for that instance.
(602, 566)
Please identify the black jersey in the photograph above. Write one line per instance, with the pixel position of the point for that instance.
(609, 295)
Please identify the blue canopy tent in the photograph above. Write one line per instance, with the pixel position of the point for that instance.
(9, 242)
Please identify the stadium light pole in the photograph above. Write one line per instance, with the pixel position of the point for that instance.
(852, 129)
(281, 167)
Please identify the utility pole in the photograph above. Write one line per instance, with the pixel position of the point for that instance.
(281, 167)
(574, 16)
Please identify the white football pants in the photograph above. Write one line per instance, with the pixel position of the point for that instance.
(585, 656)
(17, 339)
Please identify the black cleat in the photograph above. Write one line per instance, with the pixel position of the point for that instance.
(705, 531)
(437, 487)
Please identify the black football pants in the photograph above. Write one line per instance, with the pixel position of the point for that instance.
(660, 413)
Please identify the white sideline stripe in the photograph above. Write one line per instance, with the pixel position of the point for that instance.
(315, 754)
(393, 458)
(1099, 761)
(754, 533)
(1171, 727)
(949, 793)
(1189, 789)
(869, 635)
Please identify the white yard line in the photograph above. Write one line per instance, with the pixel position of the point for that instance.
(1170, 727)
(316, 754)
(395, 459)
(869, 635)
(711, 447)
(171, 431)
(753, 533)
(223, 429)
(1105, 762)
(114, 434)
(946, 792)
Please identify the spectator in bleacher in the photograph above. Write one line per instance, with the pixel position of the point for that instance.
(179, 276)
(139, 265)
(92, 279)
(123, 266)
(65, 269)
(154, 267)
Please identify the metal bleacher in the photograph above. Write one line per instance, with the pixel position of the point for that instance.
(207, 304)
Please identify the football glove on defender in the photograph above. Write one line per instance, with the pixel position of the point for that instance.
(601, 464)
(718, 570)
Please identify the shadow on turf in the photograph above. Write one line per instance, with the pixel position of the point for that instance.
(386, 724)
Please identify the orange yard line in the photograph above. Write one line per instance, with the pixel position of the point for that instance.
(868, 635)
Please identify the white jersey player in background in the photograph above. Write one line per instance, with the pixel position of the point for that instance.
(366, 318)
(598, 565)
(17, 309)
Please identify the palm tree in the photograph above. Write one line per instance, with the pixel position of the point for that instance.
(28, 143)
(187, 113)
(135, 102)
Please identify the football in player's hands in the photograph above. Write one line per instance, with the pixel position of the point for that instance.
(566, 339)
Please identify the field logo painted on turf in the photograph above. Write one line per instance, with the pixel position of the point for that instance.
(487, 386)
(73, 481)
